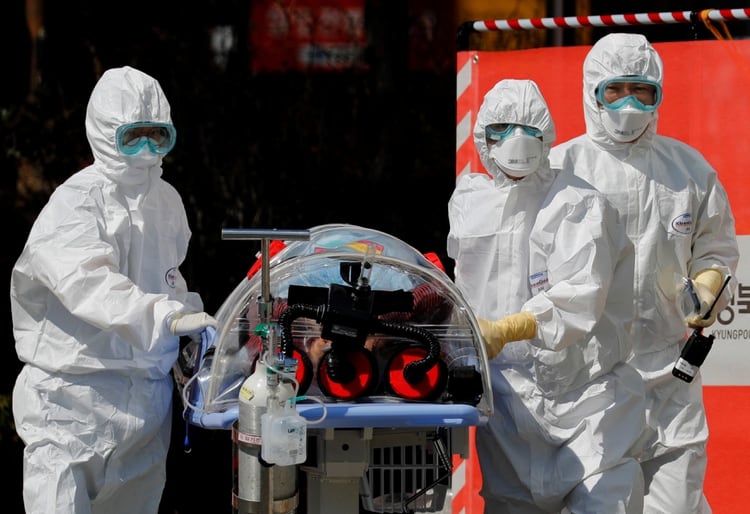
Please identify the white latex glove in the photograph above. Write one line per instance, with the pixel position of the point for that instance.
(514, 327)
(706, 284)
(188, 324)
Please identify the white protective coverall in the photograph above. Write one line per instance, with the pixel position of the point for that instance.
(568, 410)
(90, 296)
(678, 216)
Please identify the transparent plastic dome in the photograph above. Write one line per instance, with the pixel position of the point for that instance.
(346, 297)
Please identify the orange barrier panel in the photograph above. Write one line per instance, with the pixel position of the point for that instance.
(728, 411)
(707, 105)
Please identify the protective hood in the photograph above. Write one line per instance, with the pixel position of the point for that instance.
(616, 55)
(123, 95)
(513, 101)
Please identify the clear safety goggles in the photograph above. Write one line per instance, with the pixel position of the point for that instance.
(132, 137)
(499, 131)
(640, 86)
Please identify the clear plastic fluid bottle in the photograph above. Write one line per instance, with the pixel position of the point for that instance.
(284, 436)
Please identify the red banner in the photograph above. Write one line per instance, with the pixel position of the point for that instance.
(306, 35)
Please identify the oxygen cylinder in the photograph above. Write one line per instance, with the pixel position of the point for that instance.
(261, 488)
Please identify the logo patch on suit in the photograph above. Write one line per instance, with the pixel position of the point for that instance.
(683, 223)
(170, 277)
(539, 282)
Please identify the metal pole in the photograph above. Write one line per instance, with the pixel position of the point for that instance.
(260, 488)
(265, 235)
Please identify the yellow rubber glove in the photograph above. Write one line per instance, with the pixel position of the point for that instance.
(707, 283)
(514, 327)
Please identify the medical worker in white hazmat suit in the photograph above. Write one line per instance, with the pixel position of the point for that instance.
(98, 306)
(547, 269)
(678, 216)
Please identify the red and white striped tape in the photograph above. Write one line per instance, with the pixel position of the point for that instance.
(608, 20)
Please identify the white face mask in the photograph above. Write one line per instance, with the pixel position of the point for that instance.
(144, 159)
(625, 124)
(517, 155)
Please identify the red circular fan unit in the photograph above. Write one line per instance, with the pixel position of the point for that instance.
(358, 367)
(428, 387)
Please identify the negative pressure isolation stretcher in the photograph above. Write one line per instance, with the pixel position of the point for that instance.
(365, 354)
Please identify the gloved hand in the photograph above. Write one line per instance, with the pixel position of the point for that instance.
(514, 327)
(183, 324)
(707, 284)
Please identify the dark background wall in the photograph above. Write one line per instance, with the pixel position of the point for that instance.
(373, 145)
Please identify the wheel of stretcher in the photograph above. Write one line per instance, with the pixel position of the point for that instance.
(359, 369)
(428, 386)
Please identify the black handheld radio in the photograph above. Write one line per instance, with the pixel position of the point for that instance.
(697, 347)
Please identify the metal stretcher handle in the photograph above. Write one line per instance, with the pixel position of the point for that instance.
(265, 235)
